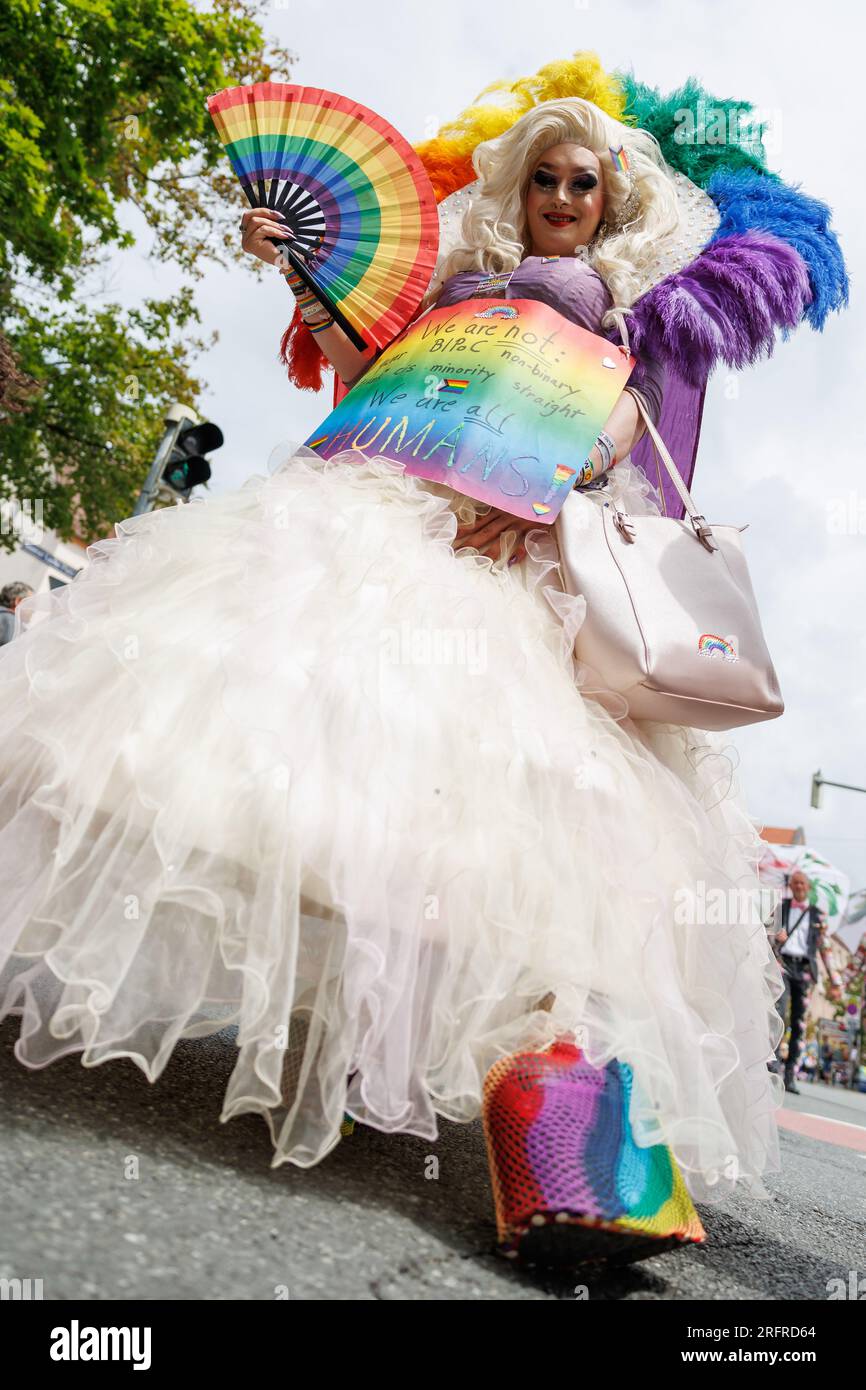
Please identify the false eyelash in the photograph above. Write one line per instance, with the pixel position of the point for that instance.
(547, 181)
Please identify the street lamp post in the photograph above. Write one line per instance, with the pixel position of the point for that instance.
(818, 782)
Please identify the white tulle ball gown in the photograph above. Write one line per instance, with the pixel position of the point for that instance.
(283, 758)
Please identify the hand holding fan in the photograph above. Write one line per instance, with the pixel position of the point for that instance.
(355, 195)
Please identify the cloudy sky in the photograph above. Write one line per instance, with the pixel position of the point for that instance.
(783, 449)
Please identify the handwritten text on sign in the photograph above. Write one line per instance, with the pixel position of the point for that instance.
(499, 399)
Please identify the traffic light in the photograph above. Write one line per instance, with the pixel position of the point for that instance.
(816, 791)
(187, 465)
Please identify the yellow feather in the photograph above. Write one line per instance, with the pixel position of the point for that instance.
(447, 157)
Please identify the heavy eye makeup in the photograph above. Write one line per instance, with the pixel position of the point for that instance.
(581, 183)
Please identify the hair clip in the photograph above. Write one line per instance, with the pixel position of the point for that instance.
(619, 159)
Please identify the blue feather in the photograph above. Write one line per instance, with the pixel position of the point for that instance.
(749, 201)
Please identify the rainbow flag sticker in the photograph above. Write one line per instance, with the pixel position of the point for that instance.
(620, 159)
(540, 509)
(454, 384)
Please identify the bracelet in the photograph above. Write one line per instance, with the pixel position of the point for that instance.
(319, 327)
(308, 305)
(607, 448)
(311, 308)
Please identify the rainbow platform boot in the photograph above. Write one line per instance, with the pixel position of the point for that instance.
(569, 1182)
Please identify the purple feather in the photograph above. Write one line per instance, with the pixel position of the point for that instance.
(725, 306)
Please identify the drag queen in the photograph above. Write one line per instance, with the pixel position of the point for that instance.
(314, 758)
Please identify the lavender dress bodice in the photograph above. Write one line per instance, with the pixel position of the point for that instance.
(576, 291)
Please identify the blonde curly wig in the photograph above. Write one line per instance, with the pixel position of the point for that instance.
(494, 229)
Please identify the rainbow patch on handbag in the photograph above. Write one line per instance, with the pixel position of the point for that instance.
(711, 645)
(560, 1140)
(502, 311)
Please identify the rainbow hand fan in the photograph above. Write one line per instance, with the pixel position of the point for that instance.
(356, 197)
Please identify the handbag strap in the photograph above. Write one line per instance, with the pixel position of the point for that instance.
(659, 446)
(700, 525)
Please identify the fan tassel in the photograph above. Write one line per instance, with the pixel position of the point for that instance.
(302, 356)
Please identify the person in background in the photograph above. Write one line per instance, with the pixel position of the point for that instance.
(826, 1062)
(808, 1066)
(10, 597)
(799, 939)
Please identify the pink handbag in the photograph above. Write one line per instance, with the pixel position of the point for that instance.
(671, 623)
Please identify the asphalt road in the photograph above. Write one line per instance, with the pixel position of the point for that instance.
(207, 1218)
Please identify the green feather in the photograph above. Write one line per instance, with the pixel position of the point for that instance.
(730, 141)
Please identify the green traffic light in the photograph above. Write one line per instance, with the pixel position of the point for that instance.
(187, 467)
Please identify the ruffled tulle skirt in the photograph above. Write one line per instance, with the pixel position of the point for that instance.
(285, 760)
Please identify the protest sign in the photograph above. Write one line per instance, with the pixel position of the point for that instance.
(501, 400)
